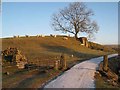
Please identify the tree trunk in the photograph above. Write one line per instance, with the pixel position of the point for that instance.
(76, 36)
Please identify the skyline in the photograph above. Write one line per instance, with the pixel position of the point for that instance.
(34, 18)
(60, 1)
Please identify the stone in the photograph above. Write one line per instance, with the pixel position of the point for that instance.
(68, 35)
(114, 83)
(108, 74)
(27, 36)
(65, 38)
(7, 73)
(15, 57)
(112, 75)
(16, 36)
(84, 41)
(100, 68)
(97, 74)
(72, 55)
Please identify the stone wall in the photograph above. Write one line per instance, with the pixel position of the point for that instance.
(15, 57)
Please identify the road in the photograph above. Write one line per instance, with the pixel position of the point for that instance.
(79, 76)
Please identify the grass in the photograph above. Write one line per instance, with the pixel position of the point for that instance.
(50, 48)
(43, 51)
(113, 65)
(100, 83)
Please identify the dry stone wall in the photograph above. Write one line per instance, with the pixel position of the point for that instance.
(16, 57)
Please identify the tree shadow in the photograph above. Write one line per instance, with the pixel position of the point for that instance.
(62, 49)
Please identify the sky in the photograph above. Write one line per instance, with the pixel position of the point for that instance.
(32, 18)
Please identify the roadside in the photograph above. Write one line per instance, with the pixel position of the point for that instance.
(111, 78)
(79, 76)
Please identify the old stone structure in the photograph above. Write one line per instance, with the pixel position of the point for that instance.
(83, 41)
(14, 56)
(19, 59)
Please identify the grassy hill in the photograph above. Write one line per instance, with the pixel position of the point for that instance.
(49, 47)
(105, 48)
(45, 50)
(115, 47)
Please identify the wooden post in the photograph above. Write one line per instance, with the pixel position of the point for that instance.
(63, 62)
(59, 64)
(56, 65)
(105, 63)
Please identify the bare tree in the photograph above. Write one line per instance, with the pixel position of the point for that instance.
(75, 19)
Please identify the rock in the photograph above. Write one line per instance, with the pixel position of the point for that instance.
(97, 74)
(27, 36)
(65, 38)
(100, 66)
(72, 55)
(30, 66)
(16, 36)
(15, 57)
(112, 75)
(7, 73)
(108, 80)
(52, 35)
(114, 83)
(83, 41)
(108, 73)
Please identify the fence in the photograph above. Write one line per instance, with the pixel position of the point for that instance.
(56, 63)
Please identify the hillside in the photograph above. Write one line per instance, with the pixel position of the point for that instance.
(43, 51)
(50, 48)
(115, 47)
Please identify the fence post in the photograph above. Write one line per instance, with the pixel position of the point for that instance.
(56, 65)
(63, 62)
(105, 63)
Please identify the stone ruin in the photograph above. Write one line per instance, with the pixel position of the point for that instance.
(83, 41)
(14, 56)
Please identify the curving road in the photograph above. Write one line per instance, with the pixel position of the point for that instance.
(79, 76)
